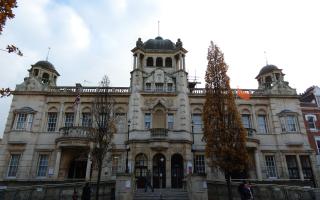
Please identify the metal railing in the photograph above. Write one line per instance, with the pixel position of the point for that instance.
(159, 132)
(73, 89)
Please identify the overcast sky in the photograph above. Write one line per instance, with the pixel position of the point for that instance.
(91, 38)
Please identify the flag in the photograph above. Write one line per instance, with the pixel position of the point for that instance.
(243, 95)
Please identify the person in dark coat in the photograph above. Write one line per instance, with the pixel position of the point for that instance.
(86, 192)
(148, 182)
(245, 191)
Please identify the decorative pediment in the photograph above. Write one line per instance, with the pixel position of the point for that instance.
(153, 102)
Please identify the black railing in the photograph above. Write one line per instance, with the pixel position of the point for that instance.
(159, 132)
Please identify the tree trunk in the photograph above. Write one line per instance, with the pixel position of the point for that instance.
(229, 186)
(98, 180)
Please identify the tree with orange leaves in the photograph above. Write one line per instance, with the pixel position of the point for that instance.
(224, 134)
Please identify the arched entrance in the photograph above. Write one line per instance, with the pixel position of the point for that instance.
(141, 167)
(176, 171)
(78, 167)
(159, 171)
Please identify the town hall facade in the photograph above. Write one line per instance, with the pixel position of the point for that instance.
(159, 126)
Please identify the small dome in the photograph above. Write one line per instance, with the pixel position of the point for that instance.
(266, 69)
(44, 64)
(159, 44)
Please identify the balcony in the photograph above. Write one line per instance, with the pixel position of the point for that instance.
(159, 133)
(252, 140)
(73, 136)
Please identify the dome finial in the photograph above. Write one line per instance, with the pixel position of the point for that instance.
(158, 28)
(48, 53)
(265, 55)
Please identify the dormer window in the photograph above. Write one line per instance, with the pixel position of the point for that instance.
(159, 62)
(149, 62)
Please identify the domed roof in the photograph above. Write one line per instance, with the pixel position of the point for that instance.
(159, 44)
(44, 64)
(266, 69)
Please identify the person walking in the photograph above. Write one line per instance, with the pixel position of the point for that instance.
(148, 182)
(86, 192)
(245, 191)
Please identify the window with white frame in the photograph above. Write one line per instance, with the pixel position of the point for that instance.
(86, 119)
(271, 166)
(197, 123)
(289, 123)
(262, 124)
(21, 121)
(52, 121)
(69, 118)
(199, 164)
(147, 120)
(43, 165)
(13, 165)
(170, 120)
(311, 120)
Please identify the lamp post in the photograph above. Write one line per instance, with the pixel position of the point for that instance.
(192, 146)
(127, 146)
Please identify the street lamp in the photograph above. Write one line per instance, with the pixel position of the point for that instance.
(127, 146)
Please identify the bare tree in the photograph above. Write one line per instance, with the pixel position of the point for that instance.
(104, 126)
(223, 131)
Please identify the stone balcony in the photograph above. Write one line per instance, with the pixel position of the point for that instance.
(160, 134)
(73, 136)
(252, 140)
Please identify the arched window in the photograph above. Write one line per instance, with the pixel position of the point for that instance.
(35, 72)
(149, 62)
(168, 62)
(159, 62)
(141, 167)
(45, 78)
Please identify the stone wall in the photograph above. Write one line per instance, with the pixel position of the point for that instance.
(217, 190)
(55, 191)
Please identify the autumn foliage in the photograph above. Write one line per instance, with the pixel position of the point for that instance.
(6, 7)
(223, 131)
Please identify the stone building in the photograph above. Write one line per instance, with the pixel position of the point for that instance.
(159, 126)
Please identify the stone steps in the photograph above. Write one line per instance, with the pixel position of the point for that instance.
(164, 194)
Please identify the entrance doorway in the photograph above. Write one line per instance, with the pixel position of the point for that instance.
(141, 167)
(159, 171)
(77, 169)
(176, 171)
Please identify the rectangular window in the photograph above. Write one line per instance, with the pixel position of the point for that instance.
(52, 121)
(311, 122)
(86, 119)
(147, 120)
(306, 167)
(170, 87)
(21, 121)
(43, 165)
(148, 87)
(170, 121)
(271, 167)
(13, 165)
(318, 144)
(246, 121)
(199, 164)
(115, 164)
(159, 87)
(291, 122)
(197, 123)
(69, 117)
(262, 124)
(121, 122)
(292, 167)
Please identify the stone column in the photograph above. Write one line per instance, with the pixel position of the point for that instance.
(57, 164)
(258, 167)
(299, 167)
(184, 62)
(60, 116)
(134, 61)
(88, 169)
